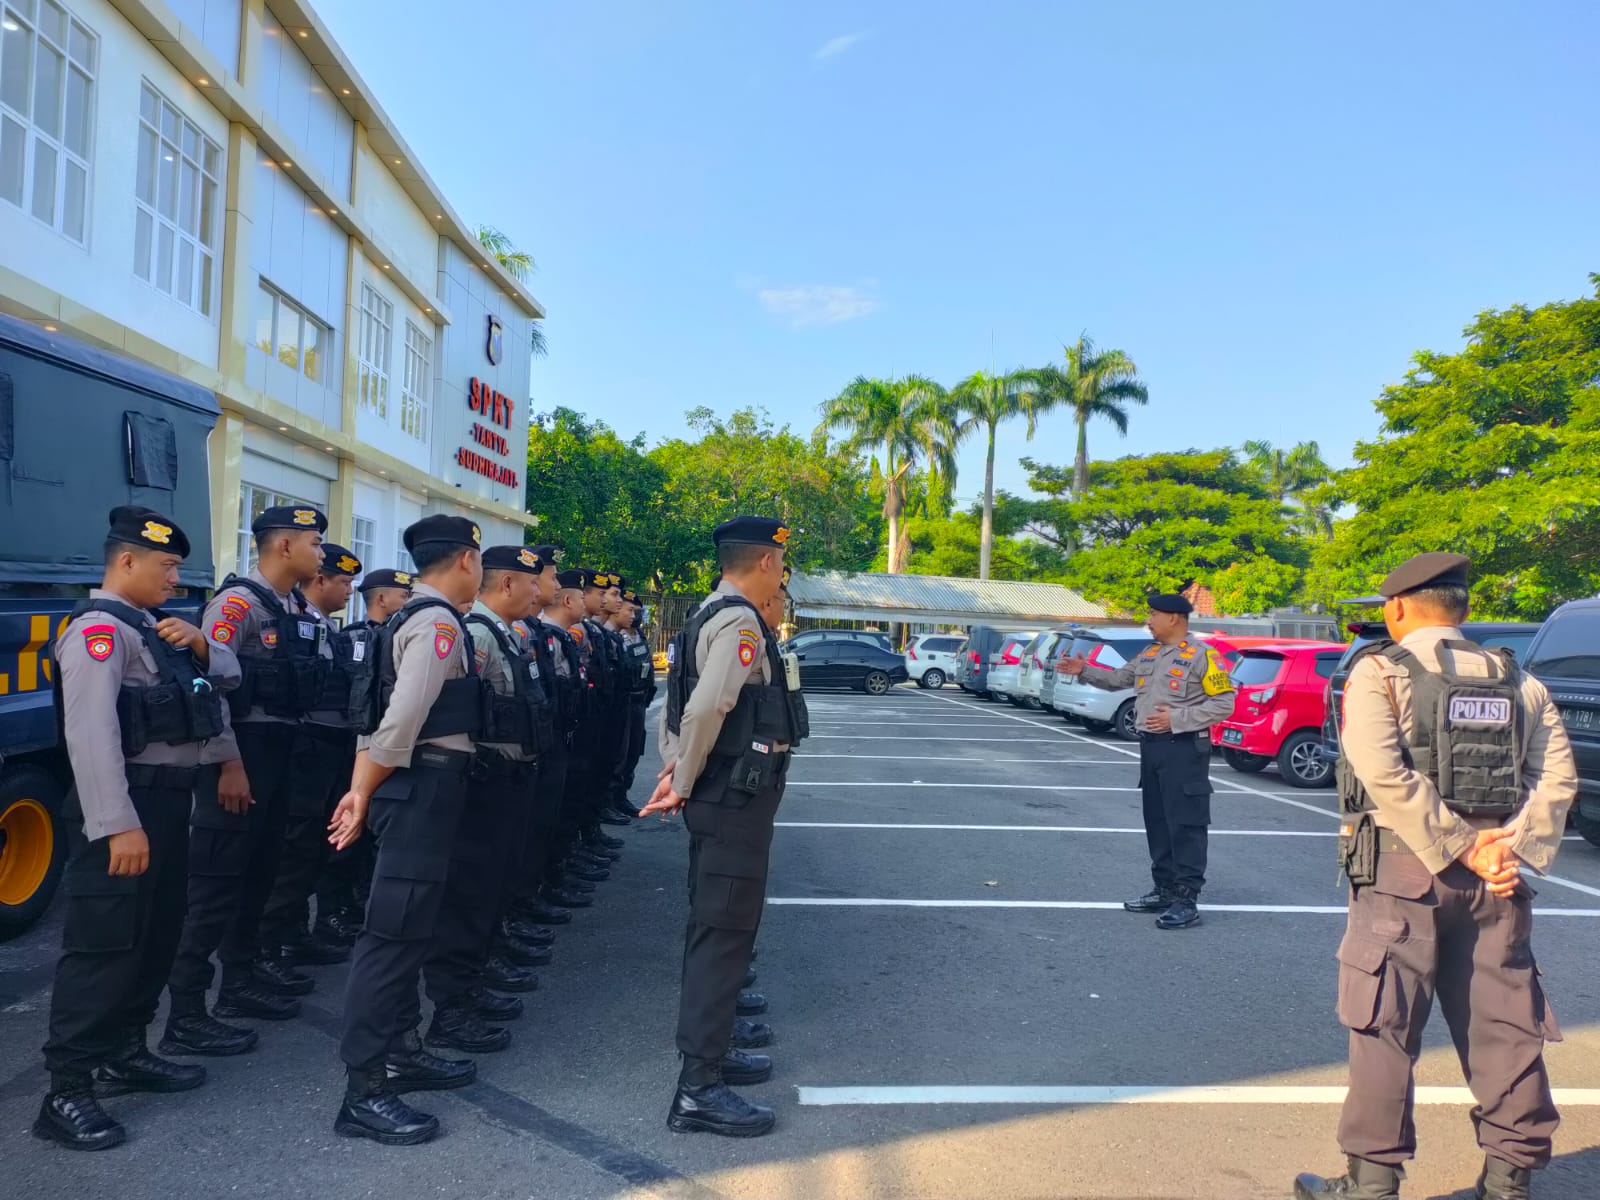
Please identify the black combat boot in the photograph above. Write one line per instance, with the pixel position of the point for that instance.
(492, 1006)
(1182, 912)
(751, 1004)
(461, 1028)
(134, 1069)
(527, 931)
(749, 978)
(600, 837)
(70, 1116)
(523, 954)
(599, 859)
(1499, 1180)
(373, 1109)
(248, 1000)
(339, 927)
(410, 1068)
(606, 847)
(1363, 1181)
(739, 1067)
(610, 816)
(562, 897)
(578, 887)
(576, 868)
(506, 977)
(312, 950)
(537, 909)
(199, 1034)
(750, 1035)
(1154, 901)
(705, 1104)
(275, 975)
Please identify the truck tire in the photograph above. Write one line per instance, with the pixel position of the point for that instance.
(33, 846)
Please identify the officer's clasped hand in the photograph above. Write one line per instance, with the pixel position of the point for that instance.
(1491, 858)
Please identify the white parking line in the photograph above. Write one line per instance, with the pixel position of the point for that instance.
(1225, 1094)
(919, 724)
(1102, 905)
(992, 787)
(1311, 833)
(982, 762)
(881, 737)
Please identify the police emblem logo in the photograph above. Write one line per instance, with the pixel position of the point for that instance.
(494, 344)
(477, 536)
(444, 638)
(528, 558)
(1480, 710)
(222, 632)
(269, 638)
(780, 535)
(348, 565)
(155, 531)
(100, 641)
(305, 516)
(749, 642)
(402, 578)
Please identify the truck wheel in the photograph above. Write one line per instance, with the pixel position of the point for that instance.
(1243, 762)
(33, 847)
(1300, 761)
(932, 678)
(1589, 827)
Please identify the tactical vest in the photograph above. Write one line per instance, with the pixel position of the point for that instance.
(288, 679)
(350, 647)
(1469, 734)
(460, 705)
(181, 707)
(641, 670)
(566, 693)
(604, 675)
(524, 718)
(764, 712)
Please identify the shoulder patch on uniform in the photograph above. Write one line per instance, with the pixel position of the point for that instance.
(749, 643)
(1151, 652)
(100, 641)
(481, 653)
(1216, 681)
(222, 631)
(444, 638)
(234, 608)
(576, 633)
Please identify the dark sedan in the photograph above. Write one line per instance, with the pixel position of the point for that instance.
(846, 663)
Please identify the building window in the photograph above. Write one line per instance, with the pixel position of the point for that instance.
(253, 501)
(47, 71)
(178, 189)
(377, 319)
(415, 383)
(364, 545)
(290, 334)
(402, 557)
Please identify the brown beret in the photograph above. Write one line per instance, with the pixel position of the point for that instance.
(1434, 569)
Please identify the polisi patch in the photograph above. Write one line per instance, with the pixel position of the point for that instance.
(100, 641)
(749, 643)
(1480, 710)
(444, 638)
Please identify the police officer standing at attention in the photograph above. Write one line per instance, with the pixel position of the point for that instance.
(727, 731)
(1455, 773)
(411, 776)
(1183, 690)
(241, 808)
(123, 667)
(641, 677)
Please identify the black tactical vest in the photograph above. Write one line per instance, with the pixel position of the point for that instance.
(641, 670)
(566, 693)
(288, 679)
(460, 705)
(182, 707)
(1469, 734)
(763, 712)
(524, 718)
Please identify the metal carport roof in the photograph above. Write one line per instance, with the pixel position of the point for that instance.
(936, 600)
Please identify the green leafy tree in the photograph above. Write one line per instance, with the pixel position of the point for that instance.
(982, 402)
(1094, 383)
(519, 265)
(1287, 473)
(1493, 452)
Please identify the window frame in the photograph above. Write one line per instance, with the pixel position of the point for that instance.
(416, 380)
(154, 227)
(372, 359)
(245, 547)
(365, 549)
(303, 318)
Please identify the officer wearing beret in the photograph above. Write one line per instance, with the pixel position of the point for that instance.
(1183, 689)
(383, 593)
(411, 777)
(1455, 774)
(327, 748)
(242, 807)
(641, 689)
(126, 668)
(727, 731)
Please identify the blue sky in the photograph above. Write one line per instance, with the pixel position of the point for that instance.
(1269, 206)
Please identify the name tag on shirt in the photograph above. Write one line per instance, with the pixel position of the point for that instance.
(307, 630)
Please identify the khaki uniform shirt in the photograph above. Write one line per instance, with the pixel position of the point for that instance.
(730, 650)
(563, 667)
(1188, 677)
(1378, 721)
(96, 654)
(496, 669)
(430, 648)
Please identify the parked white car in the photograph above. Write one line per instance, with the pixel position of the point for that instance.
(931, 657)
(1037, 660)
(1005, 664)
(1099, 710)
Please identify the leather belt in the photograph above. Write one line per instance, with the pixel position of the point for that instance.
(437, 758)
(1390, 842)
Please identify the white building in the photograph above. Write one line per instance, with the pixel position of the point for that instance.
(209, 186)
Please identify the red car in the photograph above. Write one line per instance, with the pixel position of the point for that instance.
(1279, 711)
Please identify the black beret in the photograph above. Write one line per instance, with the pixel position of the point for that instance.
(1437, 568)
(454, 531)
(788, 573)
(548, 556)
(573, 577)
(616, 581)
(591, 579)
(1169, 603)
(336, 560)
(751, 531)
(511, 558)
(291, 516)
(386, 578)
(139, 526)
(631, 596)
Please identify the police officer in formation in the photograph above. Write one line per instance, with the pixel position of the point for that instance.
(1455, 775)
(1183, 689)
(727, 732)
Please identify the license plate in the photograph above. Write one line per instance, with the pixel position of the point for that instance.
(1580, 718)
(1232, 737)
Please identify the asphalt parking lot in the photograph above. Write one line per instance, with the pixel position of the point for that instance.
(962, 1009)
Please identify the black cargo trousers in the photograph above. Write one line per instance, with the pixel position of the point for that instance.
(730, 840)
(414, 815)
(321, 776)
(121, 931)
(1175, 782)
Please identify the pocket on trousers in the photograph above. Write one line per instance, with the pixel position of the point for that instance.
(1196, 803)
(219, 853)
(102, 913)
(1402, 875)
(407, 890)
(1361, 966)
(728, 901)
(1544, 1017)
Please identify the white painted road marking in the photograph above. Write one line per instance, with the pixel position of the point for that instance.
(1326, 909)
(1311, 833)
(1223, 1094)
(982, 762)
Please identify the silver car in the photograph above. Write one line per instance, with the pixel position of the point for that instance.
(1101, 711)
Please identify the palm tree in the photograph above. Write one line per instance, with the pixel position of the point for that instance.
(895, 420)
(983, 401)
(519, 265)
(1094, 383)
(1286, 473)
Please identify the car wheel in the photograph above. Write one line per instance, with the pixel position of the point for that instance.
(1031, 702)
(933, 678)
(1300, 761)
(1244, 763)
(33, 847)
(1123, 723)
(1589, 827)
(1096, 726)
(876, 683)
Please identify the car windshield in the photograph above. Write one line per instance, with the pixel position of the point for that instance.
(1256, 668)
(1570, 647)
(1517, 642)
